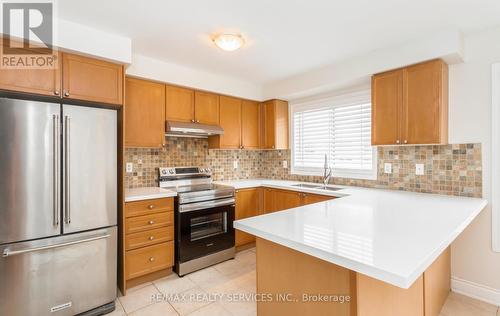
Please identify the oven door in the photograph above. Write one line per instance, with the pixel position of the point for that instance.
(205, 228)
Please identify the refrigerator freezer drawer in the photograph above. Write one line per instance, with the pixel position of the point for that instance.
(61, 276)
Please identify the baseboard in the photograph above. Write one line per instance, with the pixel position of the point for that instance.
(477, 291)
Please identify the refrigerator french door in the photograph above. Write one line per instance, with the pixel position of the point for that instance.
(58, 204)
(90, 172)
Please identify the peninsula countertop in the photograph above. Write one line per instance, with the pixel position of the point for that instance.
(392, 236)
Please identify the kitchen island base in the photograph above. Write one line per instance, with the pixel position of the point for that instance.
(293, 283)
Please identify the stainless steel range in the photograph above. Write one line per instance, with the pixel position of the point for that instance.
(204, 215)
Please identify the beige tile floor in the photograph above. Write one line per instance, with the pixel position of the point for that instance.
(188, 295)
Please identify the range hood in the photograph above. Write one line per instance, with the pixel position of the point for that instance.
(196, 130)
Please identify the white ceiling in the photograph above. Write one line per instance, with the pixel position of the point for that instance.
(284, 37)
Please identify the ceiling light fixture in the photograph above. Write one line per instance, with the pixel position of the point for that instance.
(229, 42)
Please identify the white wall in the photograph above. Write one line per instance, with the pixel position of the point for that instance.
(79, 38)
(149, 68)
(358, 70)
(469, 122)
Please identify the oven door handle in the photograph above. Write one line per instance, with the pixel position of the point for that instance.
(205, 205)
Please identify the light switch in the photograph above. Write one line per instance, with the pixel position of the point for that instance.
(285, 164)
(130, 167)
(235, 164)
(419, 169)
(387, 167)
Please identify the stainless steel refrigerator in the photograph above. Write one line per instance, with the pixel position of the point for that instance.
(58, 208)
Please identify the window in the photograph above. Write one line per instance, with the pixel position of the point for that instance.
(338, 127)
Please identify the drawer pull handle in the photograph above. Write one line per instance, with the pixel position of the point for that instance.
(151, 222)
(151, 207)
(151, 259)
(151, 238)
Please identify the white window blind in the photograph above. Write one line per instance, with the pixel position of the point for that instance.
(339, 128)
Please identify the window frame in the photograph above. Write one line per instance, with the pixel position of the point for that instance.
(352, 97)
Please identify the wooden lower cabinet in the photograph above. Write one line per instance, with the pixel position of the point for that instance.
(148, 207)
(147, 250)
(308, 198)
(147, 222)
(281, 270)
(278, 199)
(248, 204)
(150, 237)
(149, 259)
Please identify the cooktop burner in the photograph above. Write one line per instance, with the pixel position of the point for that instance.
(193, 184)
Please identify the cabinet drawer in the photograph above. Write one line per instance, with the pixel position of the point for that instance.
(147, 222)
(149, 237)
(149, 259)
(148, 207)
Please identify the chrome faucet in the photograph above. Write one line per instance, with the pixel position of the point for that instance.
(327, 172)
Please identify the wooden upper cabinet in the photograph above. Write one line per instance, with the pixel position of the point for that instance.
(38, 81)
(425, 111)
(387, 102)
(250, 125)
(144, 113)
(410, 105)
(230, 121)
(92, 80)
(179, 104)
(206, 108)
(274, 116)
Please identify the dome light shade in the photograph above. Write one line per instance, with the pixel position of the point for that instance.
(229, 42)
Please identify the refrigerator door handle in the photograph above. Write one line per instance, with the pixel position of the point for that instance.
(67, 208)
(9, 253)
(55, 135)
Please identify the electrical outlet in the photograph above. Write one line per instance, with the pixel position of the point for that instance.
(419, 169)
(285, 164)
(130, 167)
(387, 167)
(235, 164)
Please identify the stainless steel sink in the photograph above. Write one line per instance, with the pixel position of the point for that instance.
(316, 186)
(329, 188)
(305, 185)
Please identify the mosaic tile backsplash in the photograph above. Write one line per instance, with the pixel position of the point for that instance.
(449, 169)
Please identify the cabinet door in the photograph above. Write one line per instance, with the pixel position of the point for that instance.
(39, 81)
(387, 99)
(269, 205)
(144, 113)
(206, 108)
(315, 198)
(247, 205)
(250, 124)
(281, 124)
(179, 104)
(230, 121)
(268, 116)
(92, 80)
(284, 199)
(425, 107)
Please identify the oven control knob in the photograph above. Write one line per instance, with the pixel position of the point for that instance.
(208, 170)
(171, 171)
(164, 172)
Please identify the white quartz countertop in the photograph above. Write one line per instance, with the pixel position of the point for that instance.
(392, 236)
(148, 193)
